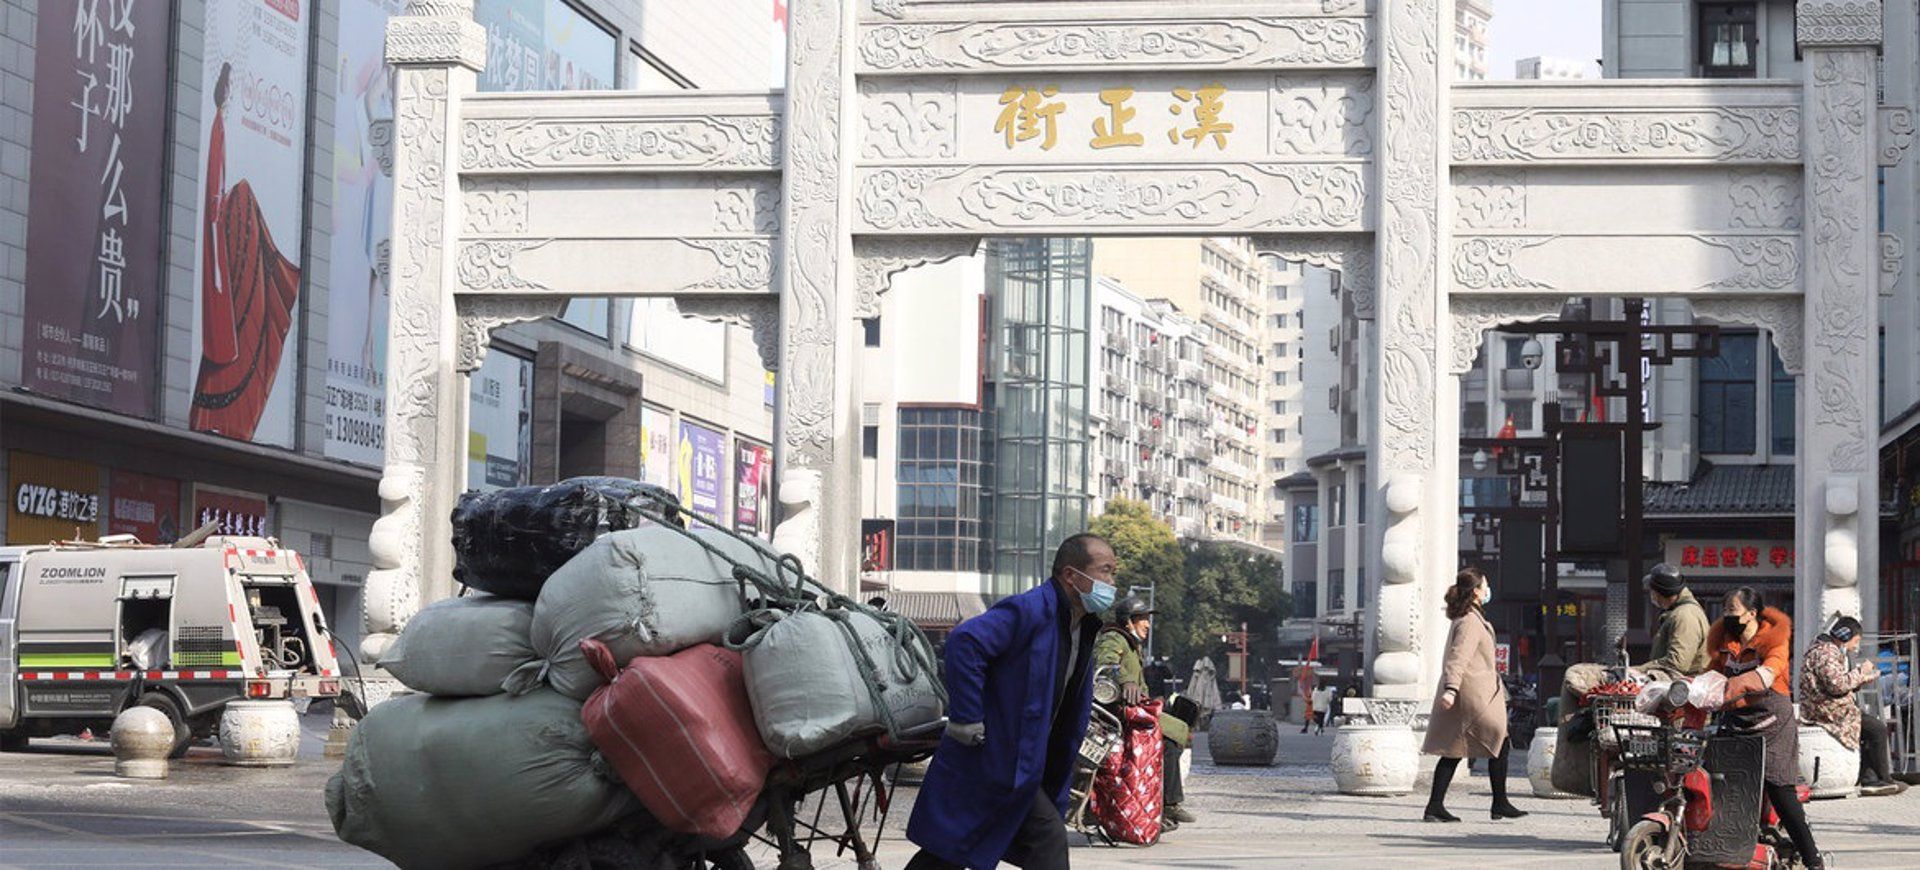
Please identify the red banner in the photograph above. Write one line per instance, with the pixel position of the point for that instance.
(236, 513)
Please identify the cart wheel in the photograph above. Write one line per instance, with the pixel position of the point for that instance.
(1646, 848)
(1617, 825)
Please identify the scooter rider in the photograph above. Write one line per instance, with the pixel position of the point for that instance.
(1680, 640)
(1752, 644)
(1119, 644)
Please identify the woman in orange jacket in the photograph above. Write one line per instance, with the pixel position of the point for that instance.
(1753, 645)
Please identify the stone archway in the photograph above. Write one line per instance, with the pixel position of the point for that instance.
(910, 129)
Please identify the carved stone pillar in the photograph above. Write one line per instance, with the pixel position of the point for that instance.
(1900, 72)
(1837, 522)
(436, 49)
(816, 439)
(1416, 419)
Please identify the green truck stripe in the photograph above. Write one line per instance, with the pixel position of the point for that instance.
(73, 660)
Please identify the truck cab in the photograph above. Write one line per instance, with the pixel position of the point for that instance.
(87, 630)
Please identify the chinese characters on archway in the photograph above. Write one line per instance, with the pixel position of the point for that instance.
(1035, 117)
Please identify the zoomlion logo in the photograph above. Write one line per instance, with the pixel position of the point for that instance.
(73, 575)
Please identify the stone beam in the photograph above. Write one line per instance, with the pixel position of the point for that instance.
(1618, 121)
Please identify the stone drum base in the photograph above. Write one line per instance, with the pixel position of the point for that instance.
(1375, 760)
(260, 733)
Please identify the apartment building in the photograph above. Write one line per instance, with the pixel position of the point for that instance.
(1152, 425)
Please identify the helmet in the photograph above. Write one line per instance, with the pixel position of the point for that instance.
(1130, 608)
(1664, 580)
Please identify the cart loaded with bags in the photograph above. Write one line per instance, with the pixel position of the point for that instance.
(622, 684)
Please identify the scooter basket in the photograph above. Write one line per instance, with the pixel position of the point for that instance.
(1610, 711)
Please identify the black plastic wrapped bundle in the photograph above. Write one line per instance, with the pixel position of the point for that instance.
(507, 542)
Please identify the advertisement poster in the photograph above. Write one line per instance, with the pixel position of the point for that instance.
(702, 451)
(752, 489)
(656, 448)
(143, 506)
(237, 513)
(51, 499)
(94, 223)
(362, 217)
(253, 132)
(500, 422)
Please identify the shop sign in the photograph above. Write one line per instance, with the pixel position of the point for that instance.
(236, 514)
(1502, 657)
(1720, 557)
(876, 545)
(145, 507)
(51, 499)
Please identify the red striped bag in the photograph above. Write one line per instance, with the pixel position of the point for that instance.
(680, 731)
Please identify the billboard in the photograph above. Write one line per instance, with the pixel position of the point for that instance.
(362, 214)
(752, 489)
(701, 470)
(94, 220)
(253, 131)
(143, 506)
(544, 45)
(656, 448)
(876, 545)
(500, 422)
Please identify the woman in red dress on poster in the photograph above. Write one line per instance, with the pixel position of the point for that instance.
(248, 290)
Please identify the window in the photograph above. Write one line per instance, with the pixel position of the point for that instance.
(1473, 420)
(870, 442)
(1516, 349)
(1279, 436)
(1782, 408)
(1727, 401)
(939, 490)
(1337, 506)
(872, 327)
(1279, 406)
(1520, 411)
(1729, 40)
(1362, 511)
(1306, 523)
(1279, 348)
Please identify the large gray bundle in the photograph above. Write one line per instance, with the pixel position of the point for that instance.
(463, 646)
(467, 782)
(808, 683)
(649, 591)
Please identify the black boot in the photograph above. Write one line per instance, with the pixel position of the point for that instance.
(1497, 777)
(1442, 777)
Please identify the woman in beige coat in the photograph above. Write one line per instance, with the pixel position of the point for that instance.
(1470, 714)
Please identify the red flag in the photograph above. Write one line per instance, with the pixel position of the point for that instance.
(1599, 408)
(1506, 432)
(1313, 652)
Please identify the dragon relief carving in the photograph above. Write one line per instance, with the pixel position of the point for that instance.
(811, 322)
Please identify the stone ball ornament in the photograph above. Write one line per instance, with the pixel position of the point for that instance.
(1842, 555)
(1403, 494)
(141, 738)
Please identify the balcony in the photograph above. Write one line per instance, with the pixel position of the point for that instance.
(1516, 380)
(1190, 371)
(1119, 384)
(1153, 396)
(1198, 451)
(1231, 505)
(1116, 469)
(1154, 439)
(1188, 527)
(1155, 356)
(1117, 340)
(1196, 491)
(1189, 409)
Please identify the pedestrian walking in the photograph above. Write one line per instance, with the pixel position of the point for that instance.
(1304, 678)
(1752, 645)
(1469, 716)
(1323, 708)
(1827, 688)
(1019, 688)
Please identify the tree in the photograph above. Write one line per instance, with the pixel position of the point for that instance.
(1148, 555)
(1225, 589)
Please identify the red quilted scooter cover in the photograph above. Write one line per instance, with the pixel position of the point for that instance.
(680, 731)
(1127, 790)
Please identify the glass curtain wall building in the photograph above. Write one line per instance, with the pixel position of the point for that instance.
(1037, 405)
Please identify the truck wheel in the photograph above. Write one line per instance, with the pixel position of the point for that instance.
(13, 742)
(182, 735)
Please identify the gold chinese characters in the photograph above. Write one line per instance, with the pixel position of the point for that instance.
(1029, 113)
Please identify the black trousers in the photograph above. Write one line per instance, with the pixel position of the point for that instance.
(1039, 844)
(1171, 790)
(1875, 764)
(1793, 817)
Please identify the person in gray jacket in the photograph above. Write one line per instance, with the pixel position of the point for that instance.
(1680, 640)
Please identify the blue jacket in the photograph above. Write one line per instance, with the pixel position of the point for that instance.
(1001, 668)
